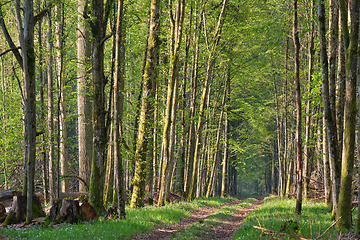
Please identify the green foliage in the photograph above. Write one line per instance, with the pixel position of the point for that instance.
(278, 214)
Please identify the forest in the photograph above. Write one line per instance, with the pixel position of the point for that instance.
(134, 106)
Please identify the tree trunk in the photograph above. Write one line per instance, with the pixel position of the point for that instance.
(98, 30)
(84, 103)
(146, 105)
(50, 119)
(330, 122)
(42, 154)
(225, 163)
(298, 110)
(118, 109)
(327, 180)
(308, 117)
(215, 163)
(347, 168)
(30, 100)
(64, 154)
(172, 94)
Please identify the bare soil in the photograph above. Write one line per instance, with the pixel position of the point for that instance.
(225, 230)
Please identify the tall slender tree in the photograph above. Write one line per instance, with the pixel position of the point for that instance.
(147, 100)
(298, 109)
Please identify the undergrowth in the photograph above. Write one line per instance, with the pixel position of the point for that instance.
(137, 221)
(277, 214)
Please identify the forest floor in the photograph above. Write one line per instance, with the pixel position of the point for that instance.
(224, 228)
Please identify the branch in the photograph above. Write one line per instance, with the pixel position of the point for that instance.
(272, 232)
(9, 40)
(42, 13)
(9, 50)
(19, 82)
(106, 38)
(74, 176)
(328, 228)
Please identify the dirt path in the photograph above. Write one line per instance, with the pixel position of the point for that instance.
(225, 230)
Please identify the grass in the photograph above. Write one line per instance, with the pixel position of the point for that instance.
(278, 214)
(138, 221)
(200, 228)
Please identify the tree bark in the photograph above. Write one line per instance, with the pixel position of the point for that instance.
(30, 100)
(330, 122)
(146, 105)
(64, 153)
(347, 168)
(172, 94)
(100, 14)
(308, 110)
(84, 103)
(298, 110)
(50, 117)
(118, 109)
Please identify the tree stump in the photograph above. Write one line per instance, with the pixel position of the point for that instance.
(65, 210)
(2, 213)
(17, 213)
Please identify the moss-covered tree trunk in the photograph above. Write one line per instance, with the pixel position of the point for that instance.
(147, 101)
(172, 94)
(100, 14)
(347, 168)
(28, 52)
(330, 121)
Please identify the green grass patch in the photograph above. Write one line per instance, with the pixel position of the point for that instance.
(278, 214)
(138, 221)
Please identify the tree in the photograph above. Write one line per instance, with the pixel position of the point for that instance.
(172, 95)
(118, 109)
(100, 14)
(147, 101)
(298, 109)
(347, 167)
(84, 103)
